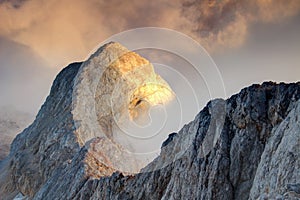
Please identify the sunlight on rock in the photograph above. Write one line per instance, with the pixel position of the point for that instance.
(147, 96)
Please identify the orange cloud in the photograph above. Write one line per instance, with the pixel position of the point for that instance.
(63, 31)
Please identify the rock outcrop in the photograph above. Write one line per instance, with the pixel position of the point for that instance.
(245, 147)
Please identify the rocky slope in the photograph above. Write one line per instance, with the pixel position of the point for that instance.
(246, 147)
(12, 122)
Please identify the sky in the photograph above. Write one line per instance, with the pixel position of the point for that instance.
(250, 41)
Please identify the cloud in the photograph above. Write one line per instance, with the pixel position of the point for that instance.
(62, 31)
(224, 24)
(24, 77)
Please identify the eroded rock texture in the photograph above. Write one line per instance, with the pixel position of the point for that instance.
(246, 147)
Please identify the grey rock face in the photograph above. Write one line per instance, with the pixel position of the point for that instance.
(246, 147)
(279, 172)
(45, 145)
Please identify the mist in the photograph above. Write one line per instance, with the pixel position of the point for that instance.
(25, 78)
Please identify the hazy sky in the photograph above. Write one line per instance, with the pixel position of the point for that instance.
(250, 41)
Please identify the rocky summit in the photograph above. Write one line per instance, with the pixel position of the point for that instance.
(245, 147)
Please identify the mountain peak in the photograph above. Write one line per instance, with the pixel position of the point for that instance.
(244, 147)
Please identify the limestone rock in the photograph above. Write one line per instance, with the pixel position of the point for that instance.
(245, 147)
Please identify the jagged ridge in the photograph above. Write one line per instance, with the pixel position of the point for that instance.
(256, 155)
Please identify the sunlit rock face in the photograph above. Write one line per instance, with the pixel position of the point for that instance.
(127, 89)
(115, 85)
(113, 89)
